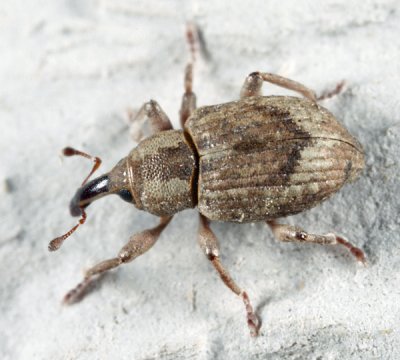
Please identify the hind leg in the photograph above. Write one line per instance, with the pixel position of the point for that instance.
(254, 81)
(327, 94)
(290, 233)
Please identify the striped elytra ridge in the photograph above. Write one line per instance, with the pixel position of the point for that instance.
(266, 157)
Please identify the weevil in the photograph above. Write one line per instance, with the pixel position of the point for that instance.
(256, 159)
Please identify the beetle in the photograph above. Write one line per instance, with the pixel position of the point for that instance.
(256, 159)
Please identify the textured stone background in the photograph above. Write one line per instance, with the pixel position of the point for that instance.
(69, 70)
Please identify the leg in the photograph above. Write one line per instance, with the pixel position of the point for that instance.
(295, 234)
(327, 94)
(209, 245)
(188, 104)
(253, 83)
(137, 245)
(189, 98)
(149, 120)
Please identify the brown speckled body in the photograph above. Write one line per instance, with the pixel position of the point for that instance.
(266, 157)
(255, 159)
(162, 173)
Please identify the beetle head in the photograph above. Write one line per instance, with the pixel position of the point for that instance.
(113, 182)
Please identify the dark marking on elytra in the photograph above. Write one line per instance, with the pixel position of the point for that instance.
(301, 139)
(248, 145)
(347, 170)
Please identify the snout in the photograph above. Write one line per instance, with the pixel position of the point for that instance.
(88, 193)
(75, 208)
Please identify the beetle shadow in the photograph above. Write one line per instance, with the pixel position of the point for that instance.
(108, 279)
(92, 287)
(260, 308)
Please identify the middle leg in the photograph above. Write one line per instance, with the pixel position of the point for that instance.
(209, 244)
(189, 98)
(188, 104)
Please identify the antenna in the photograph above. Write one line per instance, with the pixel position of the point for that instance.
(56, 243)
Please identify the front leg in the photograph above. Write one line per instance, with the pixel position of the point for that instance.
(137, 245)
(149, 120)
(290, 233)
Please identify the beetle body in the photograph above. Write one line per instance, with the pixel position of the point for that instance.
(266, 157)
(250, 160)
(255, 159)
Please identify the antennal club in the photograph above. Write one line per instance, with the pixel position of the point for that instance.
(69, 151)
(56, 243)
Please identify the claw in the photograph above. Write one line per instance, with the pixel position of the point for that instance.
(355, 251)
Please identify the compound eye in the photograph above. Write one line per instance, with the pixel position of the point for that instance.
(126, 195)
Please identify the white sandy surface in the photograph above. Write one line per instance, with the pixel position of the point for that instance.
(69, 70)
